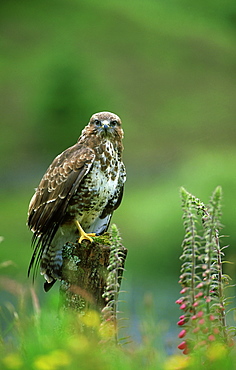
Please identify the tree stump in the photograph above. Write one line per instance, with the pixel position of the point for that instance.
(92, 272)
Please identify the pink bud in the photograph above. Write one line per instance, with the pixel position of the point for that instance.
(200, 314)
(211, 338)
(182, 317)
(181, 322)
(179, 301)
(199, 295)
(183, 306)
(182, 345)
(195, 304)
(182, 333)
(216, 331)
(208, 299)
(196, 330)
(200, 285)
(201, 321)
(211, 317)
(183, 291)
(194, 317)
(186, 351)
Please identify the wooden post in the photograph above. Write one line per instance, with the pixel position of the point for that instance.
(86, 272)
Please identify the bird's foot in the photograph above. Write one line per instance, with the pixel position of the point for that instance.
(83, 234)
(86, 237)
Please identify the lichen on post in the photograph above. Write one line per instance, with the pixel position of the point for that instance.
(86, 272)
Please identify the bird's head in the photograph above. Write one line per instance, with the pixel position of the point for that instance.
(106, 125)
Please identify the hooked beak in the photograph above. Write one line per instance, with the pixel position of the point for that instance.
(105, 125)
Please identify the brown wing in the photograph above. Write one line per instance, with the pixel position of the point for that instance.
(48, 205)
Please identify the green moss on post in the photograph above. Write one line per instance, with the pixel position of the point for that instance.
(86, 272)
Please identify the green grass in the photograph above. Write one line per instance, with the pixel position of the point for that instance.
(40, 338)
(167, 68)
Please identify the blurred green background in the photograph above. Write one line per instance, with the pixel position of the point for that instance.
(168, 69)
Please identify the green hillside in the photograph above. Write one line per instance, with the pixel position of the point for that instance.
(167, 68)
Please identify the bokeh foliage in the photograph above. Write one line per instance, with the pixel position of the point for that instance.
(166, 67)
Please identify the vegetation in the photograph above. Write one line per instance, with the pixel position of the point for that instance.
(167, 68)
(204, 301)
(90, 339)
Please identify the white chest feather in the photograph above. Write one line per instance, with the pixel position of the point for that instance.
(100, 186)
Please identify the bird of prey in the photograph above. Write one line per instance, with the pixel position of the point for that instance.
(78, 194)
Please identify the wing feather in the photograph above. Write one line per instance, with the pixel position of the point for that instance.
(48, 205)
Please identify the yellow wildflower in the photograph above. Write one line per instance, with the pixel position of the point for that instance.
(216, 351)
(78, 344)
(176, 362)
(52, 361)
(91, 319)
(12, 361)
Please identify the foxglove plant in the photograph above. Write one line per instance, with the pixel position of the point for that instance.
(203, 302)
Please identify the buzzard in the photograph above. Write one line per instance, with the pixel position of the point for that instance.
(78, 194)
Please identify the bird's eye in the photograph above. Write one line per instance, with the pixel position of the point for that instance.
(114, 123)
(97, 122)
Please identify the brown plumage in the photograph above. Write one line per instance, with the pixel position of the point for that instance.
(78, 193)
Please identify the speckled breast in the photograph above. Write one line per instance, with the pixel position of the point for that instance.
(98, 187)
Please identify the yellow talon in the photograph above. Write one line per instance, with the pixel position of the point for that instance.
(83, 234)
